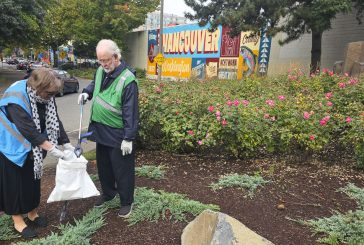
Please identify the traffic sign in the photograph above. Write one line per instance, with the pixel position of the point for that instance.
(159, 59)
(62, 55)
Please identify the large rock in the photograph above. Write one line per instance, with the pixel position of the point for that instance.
(215, 228)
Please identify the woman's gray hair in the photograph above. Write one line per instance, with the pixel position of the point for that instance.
(44, 78)
(109, 46)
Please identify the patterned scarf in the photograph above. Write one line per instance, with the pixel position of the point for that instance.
(52, 127)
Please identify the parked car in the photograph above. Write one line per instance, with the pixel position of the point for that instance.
(37, 65)
(70, 84)
(12, 61)
(22, 65)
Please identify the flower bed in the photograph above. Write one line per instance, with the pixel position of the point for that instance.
(243, 118)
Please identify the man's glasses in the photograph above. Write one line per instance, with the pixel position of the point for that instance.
(104, 61)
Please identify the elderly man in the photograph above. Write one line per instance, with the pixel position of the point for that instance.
(114, 123)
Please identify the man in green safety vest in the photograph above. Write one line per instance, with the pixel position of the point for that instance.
(114, 123)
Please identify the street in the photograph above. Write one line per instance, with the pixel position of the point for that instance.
(68, 109)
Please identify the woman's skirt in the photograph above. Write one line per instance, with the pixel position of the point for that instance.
(19, 191)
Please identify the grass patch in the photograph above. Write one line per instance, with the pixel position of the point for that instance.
(151, 205)
(7, 231)
(79, 233)
(87, 73)
(343, 228)
(90, 155)
(151, 171)
(245, 182)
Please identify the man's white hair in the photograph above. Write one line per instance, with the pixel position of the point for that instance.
(109, 46)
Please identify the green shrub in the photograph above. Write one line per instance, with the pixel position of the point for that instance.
(87, 73)
(140, 73)
(244, 118)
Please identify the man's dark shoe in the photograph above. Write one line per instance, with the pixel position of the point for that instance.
(125, 211)
(39, 221)
(101, 201)
(27, 232)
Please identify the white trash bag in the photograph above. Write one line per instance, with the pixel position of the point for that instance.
(72, 180)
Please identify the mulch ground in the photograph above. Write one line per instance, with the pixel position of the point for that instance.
(306, 189)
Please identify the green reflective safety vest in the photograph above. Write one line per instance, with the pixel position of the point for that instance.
(107, 104)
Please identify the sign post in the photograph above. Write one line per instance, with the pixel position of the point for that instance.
(160, 42)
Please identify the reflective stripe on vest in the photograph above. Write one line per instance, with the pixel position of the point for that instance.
(15, 134)
(108, 107)
(18, 95)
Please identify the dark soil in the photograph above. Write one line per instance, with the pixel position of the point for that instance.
(307, 190)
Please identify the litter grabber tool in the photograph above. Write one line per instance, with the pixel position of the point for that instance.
(78, 148)
(78, 152)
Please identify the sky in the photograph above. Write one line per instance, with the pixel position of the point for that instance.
(177, 7)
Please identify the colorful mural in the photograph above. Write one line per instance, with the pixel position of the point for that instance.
(193, 51)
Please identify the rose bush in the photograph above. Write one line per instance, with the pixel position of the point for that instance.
(243, 118)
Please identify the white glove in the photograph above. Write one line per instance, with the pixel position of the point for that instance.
(56, 152)
(84, 97)
(69, 146)
(69, 155)
(126, 147)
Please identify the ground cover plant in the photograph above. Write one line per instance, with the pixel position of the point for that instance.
(245, 182)
(346, 228)
(151, 171)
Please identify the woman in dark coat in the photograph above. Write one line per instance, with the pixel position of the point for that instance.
(29, 128)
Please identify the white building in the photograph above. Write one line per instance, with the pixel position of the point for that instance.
(153, 21)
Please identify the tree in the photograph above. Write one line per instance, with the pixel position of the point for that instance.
(293, 17)
(89, 21)
(54, 33)
(20, 21)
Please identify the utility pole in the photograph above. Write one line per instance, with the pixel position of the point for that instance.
(160, 40)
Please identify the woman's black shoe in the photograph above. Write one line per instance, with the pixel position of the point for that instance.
(39, 221)
(27, 232)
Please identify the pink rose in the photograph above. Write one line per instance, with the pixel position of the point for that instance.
(158, 90)
(328, 95)
(281, 97)
(245, 102)
(323, 122)
(306, 115)
(190, 132)
(224, 122)
(312, 137)
(270, 102)
(348, 120)
(342, 85)
(211, 108)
